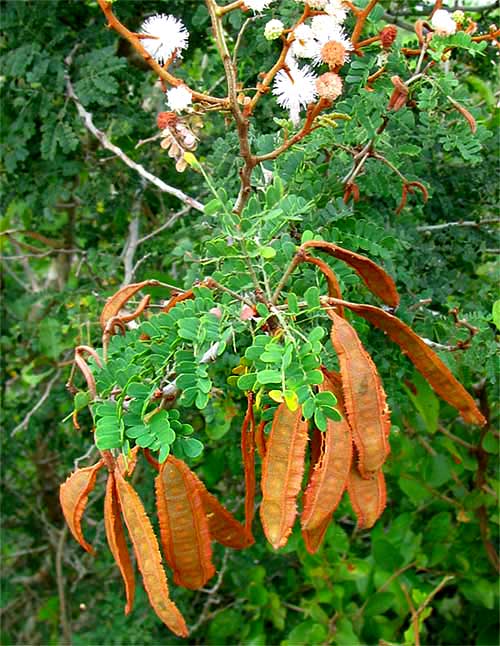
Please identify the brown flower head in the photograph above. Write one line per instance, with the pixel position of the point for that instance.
(329, 86)
(333, 54)
(388, 35)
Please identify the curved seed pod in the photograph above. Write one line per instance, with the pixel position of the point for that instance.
(143, 305)
(329, 476)
(248, 455)
(115, 534)
(73, 495)
(364, 397)
(374, 277)
(178, 298)
(148, 557)
(331, 279)
(424, 359)
(282, 471)
(118, 300)
(314, 537)
(368, 497)
(222, 525)
(183, 525)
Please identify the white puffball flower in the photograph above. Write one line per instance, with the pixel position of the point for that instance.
(170, 35)
(323, 27)
(179, 98)
(304, 44)
(337, 10)
(273, 29)
(257, 6)
(295, 89)
(442, 23)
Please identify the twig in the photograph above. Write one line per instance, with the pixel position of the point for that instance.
(85, 456)
(432, 594)
(211, 598)
(166, 225)
(414, 616)
(38, 404)
(460, 223)
(129, 248)
(213, 284)
(240, 37)
(457, 440)
(106, 143)
(63, 614)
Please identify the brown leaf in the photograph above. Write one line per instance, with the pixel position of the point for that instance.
(118, 300)
(148, 557)
(328, 479)
(374, 277)
(183, 525)
(425, 360)
(363, 395)
(368, 497)
(115, 534)
(282, 470)
(73, 495)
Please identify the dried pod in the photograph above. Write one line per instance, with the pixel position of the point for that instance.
(282, 471)
(115, 533)
(368, 497)
(183, 525)
(73, 496)
(364, 397)
(328, 479)
(148, 557)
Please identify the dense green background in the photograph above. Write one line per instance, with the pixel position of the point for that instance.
(442, 512)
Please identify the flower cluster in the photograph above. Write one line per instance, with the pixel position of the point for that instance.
(321, 40)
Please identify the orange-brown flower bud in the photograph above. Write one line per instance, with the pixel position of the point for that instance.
(333, 54)
(388, 35)
(329, 86)
(166, 120)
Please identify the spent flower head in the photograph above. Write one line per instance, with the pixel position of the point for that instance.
(168, 36)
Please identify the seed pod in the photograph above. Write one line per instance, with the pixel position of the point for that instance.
(282, 471)
(115, 534)
(73, 495)
(183, 525)
(368, 497)
(329, 475)
(364, 397)
(425, 360)
(148, 557)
